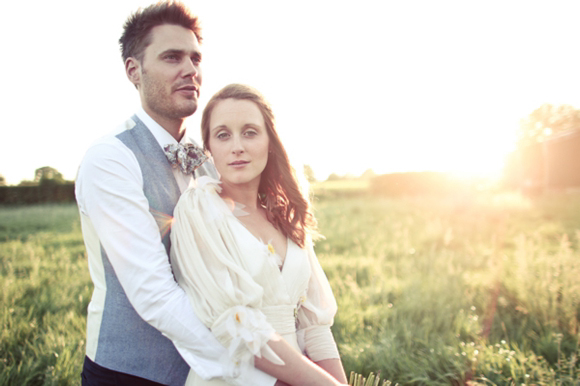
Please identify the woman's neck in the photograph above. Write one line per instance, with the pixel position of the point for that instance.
(243, 194)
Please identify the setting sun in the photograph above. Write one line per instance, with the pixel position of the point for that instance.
(384, 86)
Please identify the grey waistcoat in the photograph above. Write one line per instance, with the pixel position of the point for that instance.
(126, 342)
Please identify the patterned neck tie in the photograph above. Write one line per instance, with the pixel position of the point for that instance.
(187, 157)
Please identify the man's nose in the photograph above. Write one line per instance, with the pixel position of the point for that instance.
(191, 68)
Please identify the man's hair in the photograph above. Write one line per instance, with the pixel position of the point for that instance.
(137, 29)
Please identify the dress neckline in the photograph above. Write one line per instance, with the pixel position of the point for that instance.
(267, 245)
(237, 210)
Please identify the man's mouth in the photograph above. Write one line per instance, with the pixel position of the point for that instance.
(190, 88)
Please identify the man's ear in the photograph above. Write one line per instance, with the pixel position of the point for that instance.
(133, 70)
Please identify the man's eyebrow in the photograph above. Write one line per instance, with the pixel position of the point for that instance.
(176, 51)
(172, 51)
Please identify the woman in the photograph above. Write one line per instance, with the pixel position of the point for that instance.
(241, 249)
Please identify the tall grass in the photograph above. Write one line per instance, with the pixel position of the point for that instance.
(44, 295)
(479, 289)
(431, 291)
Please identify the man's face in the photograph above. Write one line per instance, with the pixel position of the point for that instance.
(169, 75)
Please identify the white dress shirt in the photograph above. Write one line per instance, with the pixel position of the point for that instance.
(115, 213)
(164, 139)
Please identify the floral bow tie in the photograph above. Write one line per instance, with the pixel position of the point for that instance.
(187, 157)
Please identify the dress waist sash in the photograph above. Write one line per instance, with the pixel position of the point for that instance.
(282, 318)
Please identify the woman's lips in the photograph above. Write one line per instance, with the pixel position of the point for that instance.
(238, 164)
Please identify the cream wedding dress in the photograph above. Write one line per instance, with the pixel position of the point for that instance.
(239, 287)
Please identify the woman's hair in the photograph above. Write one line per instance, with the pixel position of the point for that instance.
(137, 29)
(286, 208)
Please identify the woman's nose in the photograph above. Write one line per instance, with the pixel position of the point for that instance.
(237, 146)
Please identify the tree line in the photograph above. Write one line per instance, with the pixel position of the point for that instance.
(47, 186)
(539, 162)
(548, 151)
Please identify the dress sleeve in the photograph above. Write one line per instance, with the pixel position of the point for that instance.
(210, 267)
(316, 314)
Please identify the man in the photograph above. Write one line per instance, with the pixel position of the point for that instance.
(141, 328)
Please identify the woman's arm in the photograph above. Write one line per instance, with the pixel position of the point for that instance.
(334, 368)
(297, 369)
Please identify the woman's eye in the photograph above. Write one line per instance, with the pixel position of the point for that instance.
(222, 135)
(250, 133)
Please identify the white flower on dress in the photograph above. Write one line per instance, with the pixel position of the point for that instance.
(244, 328)
(271, 254)
(248, 332)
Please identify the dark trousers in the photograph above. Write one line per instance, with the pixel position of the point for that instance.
(95, 375)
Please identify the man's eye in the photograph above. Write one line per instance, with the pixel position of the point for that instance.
(172, 57)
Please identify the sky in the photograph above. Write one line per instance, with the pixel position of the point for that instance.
(391, 86)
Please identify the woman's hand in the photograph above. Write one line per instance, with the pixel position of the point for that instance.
(297, 370)
(281, 383)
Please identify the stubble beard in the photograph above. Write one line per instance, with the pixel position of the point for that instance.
(161, 101)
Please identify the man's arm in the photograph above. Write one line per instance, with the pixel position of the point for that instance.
(110, 193)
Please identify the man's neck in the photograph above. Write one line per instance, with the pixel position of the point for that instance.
(174, 126)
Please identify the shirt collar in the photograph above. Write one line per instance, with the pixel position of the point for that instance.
(160, 134)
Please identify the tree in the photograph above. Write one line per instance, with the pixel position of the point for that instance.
(27, 183)
(48, 175)
(334, 177)
(2, 180)
(368, 174)
(309, 173)
(546, 120)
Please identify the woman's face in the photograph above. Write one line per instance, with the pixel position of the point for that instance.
(238, 141)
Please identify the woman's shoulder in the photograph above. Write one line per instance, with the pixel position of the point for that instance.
(203, 197)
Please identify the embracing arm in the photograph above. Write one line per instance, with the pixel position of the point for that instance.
(115, 214)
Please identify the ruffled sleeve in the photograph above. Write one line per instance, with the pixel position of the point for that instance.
(316, 313)
(210, 267)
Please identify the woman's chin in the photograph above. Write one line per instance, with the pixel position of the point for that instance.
(241, 182)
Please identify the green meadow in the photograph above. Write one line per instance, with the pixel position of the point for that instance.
(473, 289)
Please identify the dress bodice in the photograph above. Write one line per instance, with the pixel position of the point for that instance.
(286, 286)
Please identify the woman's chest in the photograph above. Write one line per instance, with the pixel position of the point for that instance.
(262, 260)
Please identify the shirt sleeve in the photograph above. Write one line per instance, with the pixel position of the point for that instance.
(110, 193)
(316, 314)
(212, 269)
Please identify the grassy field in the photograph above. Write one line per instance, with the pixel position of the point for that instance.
(432, 291)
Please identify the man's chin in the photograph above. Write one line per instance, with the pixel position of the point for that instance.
(189, 109)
